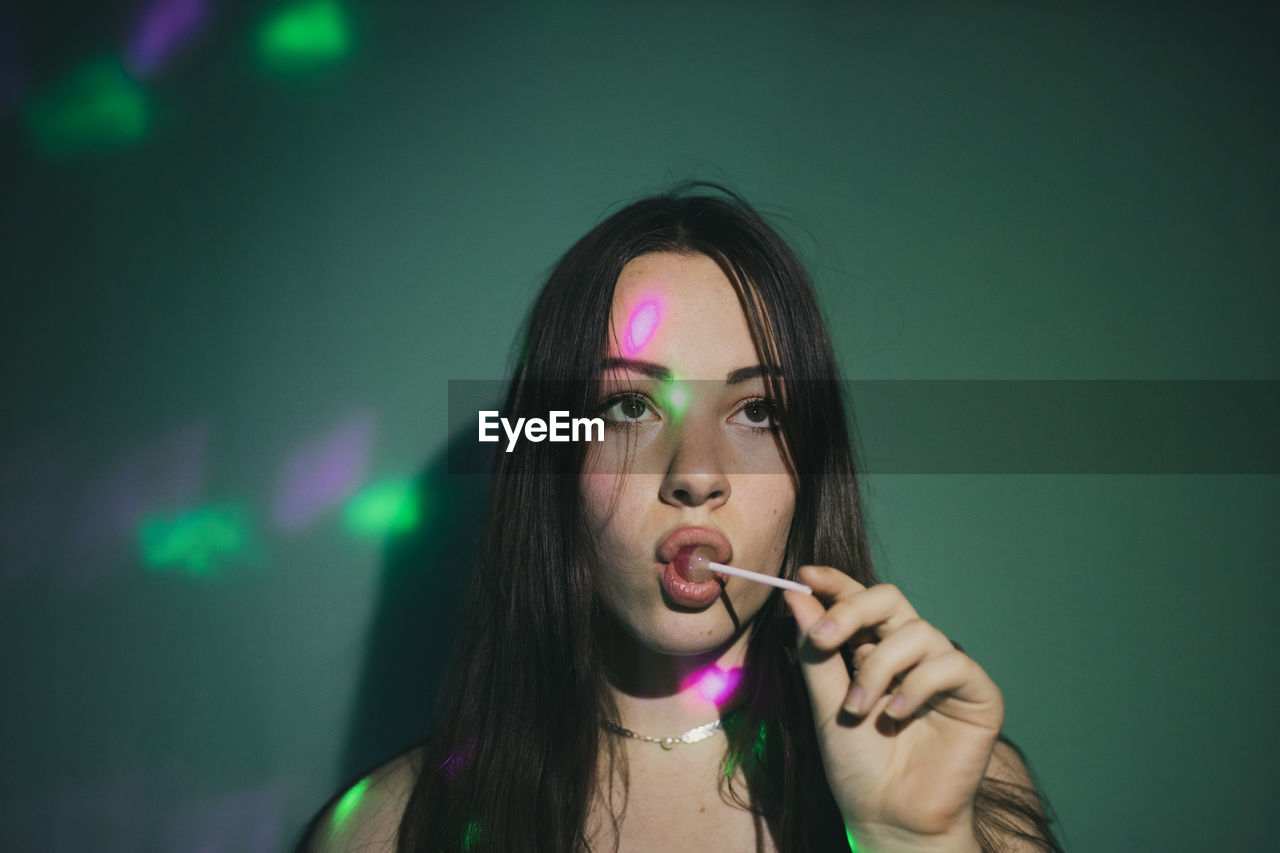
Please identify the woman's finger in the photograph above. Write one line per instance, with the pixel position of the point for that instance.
(829, 583)
(952, 674)
(882, 607)
(893, 657)
(824, 672)
(861, 652)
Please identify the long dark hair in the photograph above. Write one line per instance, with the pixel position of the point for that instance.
(512, 763)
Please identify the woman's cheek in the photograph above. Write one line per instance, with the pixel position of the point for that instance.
(778, 495)
(616, 508)
(597, 493)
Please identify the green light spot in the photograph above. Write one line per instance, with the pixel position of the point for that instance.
(95, 106)
(853, 845)
(305, 35)
(471, 836)
(676, 398)
(195, 540)
(390, 507)
(347, 805)
(758, 750)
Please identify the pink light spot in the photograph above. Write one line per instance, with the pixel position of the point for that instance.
(641, 327)
(717, 685)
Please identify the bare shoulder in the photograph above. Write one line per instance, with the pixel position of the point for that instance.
(367, 815)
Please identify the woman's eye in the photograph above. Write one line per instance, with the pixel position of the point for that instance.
(630, 408)
(756, 413)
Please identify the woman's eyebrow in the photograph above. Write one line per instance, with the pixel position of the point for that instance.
(742, 374)
(648, 368)
(663, 374)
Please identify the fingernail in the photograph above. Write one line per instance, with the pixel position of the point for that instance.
(853, 704)
(824, 630)
(896, 705)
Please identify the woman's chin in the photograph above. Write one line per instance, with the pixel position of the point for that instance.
(687, 646)
(663, 629)
(688, 636)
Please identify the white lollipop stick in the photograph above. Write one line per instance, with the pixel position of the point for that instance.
(770, 580)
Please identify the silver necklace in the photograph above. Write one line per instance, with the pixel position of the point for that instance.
(694, 735)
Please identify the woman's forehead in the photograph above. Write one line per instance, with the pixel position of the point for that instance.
(679, 311)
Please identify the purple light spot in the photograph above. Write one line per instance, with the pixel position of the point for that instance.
(34, 475)
(164, 26)
(248, 821)
(109, 814)
(321, 474)
(457, 760)
(641, 327)
(715, 684)
(11, 90)
(12, 78)
(163, 477)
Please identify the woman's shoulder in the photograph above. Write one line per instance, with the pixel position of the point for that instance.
(367, 815)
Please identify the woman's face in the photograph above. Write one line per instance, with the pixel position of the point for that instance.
(688, 457)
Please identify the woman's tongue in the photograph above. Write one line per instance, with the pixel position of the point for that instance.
(693, 563)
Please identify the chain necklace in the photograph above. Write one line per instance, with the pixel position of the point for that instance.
(694, 735)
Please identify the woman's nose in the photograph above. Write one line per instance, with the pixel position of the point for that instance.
(695, 475)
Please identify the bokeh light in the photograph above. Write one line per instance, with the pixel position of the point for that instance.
(675, 399)
(162, 27)
(12, 76)
(641, 327)
(194, 541)
(321, 474)
(96, 106)
(471, 835)
(385, 508)
(304, 35)
(715, 684)
(346, 806)
(757, 750)
(458, 759)
(164, 477)
(246, 820)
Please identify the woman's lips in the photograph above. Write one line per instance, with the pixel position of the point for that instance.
(693, 562)
(689, 581)
(685, 576)
(685, 592)
(689, 536)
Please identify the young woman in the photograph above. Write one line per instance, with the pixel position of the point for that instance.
(612, 691)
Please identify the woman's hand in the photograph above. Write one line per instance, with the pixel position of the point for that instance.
(907, 739)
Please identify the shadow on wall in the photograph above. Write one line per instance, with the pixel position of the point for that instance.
(418, 617)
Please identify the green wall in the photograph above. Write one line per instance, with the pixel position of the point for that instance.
(237, 281)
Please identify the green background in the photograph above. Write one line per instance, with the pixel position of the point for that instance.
(267, 257)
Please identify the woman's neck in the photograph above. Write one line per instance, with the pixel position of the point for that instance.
(663, 695)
